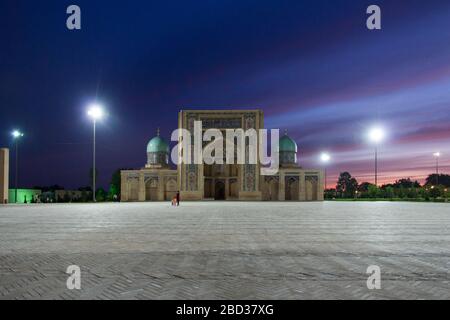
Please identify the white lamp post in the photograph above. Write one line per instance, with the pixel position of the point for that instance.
(325, 158)
(376, 136)
(16, 135)
(96, 113)
(437, 155)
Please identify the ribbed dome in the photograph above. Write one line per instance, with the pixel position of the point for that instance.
(157, 144)
(287, 144)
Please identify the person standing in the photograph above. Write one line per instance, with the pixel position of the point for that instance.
(178, 198)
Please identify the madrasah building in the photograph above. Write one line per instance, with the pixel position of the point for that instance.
(157, 181)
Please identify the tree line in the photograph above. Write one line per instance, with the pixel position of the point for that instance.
(49, 193)
(436, 187)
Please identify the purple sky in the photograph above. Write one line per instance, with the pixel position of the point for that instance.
(312, 67)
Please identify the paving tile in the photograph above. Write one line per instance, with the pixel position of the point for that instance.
(225, 250)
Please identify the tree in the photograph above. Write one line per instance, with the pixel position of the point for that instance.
(115, 184)
(49, 188)
(113, 193)
(346, 185)
(373, 191)
(442, 179)
(91, 175)
(364, 186)
(406, 183)
(86, 194)
(435, 192)
(100, 195)
(389, 192)
(66, 197)
(330, 193)
(363, 189)
(412, 193)
(423, 193)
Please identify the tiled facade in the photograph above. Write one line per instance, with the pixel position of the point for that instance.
(157, 182)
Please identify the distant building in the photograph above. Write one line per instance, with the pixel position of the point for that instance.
(68, 195)
(24, 195)
(4, 175)
(156, 181)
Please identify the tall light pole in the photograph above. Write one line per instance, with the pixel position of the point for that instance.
(96, 113)
(16, 135)
(437, 155)
(376, 136)
(325, 158)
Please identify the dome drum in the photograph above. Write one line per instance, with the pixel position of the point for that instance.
(288, 151)
(157, 153)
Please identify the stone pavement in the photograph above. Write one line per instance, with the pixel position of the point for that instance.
(226, 250)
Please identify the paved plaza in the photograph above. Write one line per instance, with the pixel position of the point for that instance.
(226, 250)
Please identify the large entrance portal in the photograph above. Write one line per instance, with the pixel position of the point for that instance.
(219, 191)
(221, 181)
(292, 188)
(151, 190)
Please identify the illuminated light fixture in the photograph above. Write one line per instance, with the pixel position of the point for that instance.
(325, 158)
(95, 111)
(376, 135)
(17, 134)
(437, 155)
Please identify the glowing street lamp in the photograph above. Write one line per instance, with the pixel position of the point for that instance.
(376, 136)
(16, 136)
(95, 112)
(437, 155)
(325, 158)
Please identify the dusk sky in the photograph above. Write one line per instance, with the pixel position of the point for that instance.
(312, 66)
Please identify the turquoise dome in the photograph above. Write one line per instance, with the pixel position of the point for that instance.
(157, 144)
(287, 144)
